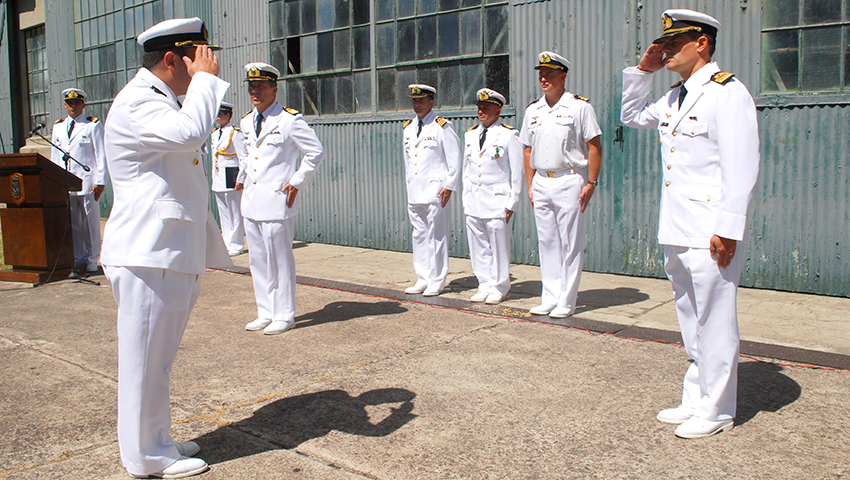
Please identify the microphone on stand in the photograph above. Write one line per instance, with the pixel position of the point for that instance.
(36, 129)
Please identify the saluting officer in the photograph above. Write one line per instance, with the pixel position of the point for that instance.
(492, 185)
(82, 138)
(710, 152)
(275, 135)
(432, 158)
(563, 156)
(228, 144)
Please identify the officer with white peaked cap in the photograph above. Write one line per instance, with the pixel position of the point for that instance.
(228, 176)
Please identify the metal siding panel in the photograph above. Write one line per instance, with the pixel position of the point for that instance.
(6, 136)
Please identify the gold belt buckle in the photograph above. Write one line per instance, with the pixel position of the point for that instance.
(550, 174)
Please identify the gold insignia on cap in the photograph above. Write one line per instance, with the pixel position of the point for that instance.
(483, 96)
(254, 72)
(545, 58)
(72, 95)
(666, 22)
(416, 90)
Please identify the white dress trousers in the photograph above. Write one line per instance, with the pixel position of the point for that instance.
(490, 253)
(430, 224)
(272, 267)
(85, 228)
(228, 145)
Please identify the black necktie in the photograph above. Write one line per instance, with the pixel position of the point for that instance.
(419, 131)
(682, 92)
(71, 128)
(258, 126)
(482, 137)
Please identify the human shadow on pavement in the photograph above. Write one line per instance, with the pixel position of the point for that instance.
(289, 422)
(342, 311)
(763, 388)
(587, 299)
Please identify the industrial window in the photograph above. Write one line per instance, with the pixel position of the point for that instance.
(106, 48)
(805, 46)
(37, 76)
(334, 54)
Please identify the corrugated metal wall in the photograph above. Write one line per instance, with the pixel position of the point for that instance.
(6, 140)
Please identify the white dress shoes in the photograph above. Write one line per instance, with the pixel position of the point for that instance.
(561, 312)
(698, 428)
(91, 268)
(432, 292)
(415, 290)
(187, 449)
(183, 467)
(279, 326)
(479, 297)
(494, 298)
(543, 309)
(675, 415)
(258, 324)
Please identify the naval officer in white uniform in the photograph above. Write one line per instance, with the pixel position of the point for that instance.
(710, 152)
(492, 185)
(228, 177)
(275, 137)
(161, 233)
(563, 157)
(432, 158)
(82, 138)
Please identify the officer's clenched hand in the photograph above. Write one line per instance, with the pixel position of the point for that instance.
(724, 248)
(585, 195)
(653, 59)
(444, 195)
(204, 61)
(508, 215)
(290, 192)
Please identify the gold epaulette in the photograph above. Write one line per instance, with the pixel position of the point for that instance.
(406, 123)
(722, 77)
(583, 99)
(531, 103)
(58, 121)
(291, 111)
(677, 84)
(249, 112)
(508, 126)
(441, 121)
(472, 128)
(236, 127)
(92, 119)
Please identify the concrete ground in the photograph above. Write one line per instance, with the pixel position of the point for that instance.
(373, 384)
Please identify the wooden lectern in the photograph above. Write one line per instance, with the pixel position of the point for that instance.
(36, 232)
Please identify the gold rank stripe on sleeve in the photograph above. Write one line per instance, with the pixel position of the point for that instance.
(441, 121)
(677, 84)
(472, 128)
(583, 99)
(291, 111)
(406, 123)
(722, 77)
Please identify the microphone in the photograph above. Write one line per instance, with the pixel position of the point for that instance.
(36, 129)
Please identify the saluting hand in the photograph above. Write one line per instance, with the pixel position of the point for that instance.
(290, 192)
(724, 248)
(653, 59)
(204, 61)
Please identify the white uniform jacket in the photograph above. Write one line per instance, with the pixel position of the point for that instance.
(492, 174)
(228, 146)
(709, 150)
(272, 160)
(431, 160)
(86, 145)
(160, 215)
(558, 136)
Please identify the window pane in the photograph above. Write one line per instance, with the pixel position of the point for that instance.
(497, 75)
(326, 51)
(426, 6)
(293, 17)
(497, 30)
(360, 12)
(387, 86)
(278, 56)
(470, 3)
(470, 32)
(295, 95)
(406, 42)
(128, 21)
(293, 55)
(449, 27)
(326, 14)
(119, 25)
(78, 35)
(473, 80)
(405, 8)
(846, 57)
(276, 23)
(148, 15)
(327, 95)
(363, 89)
(822, 59)
(448, 5)
(140, 19)
(343, 13)
(158, 14)
(308, 16)
(779, 61)
(310, 91)
(110, 28)
(426, 37)
(427, 75)
(309, 51)
(384, 9)
(821, 11)
(448, 88)
(342, 49)
(362, 50)
(406, 76)
(120, 64)
(344, 94)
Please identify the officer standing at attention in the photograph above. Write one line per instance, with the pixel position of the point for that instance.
(228, 143)
(161, 233)
(82, 138)
(710, 152)
(563, 157)
(276, 136)
(432, 158)
(492, 185)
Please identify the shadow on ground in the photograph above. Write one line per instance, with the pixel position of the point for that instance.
(763, 388)
(342, 311)
(289, 422)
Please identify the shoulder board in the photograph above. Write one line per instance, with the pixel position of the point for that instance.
(531, 103)
(406, 123)
(508, 126)
(291, 111)
(92, 119)
(441, 121)
(236, 127)
(59, 121)
(677, 84)
(583, 99)
(472, 128)
(249, 112)
(722, 77)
